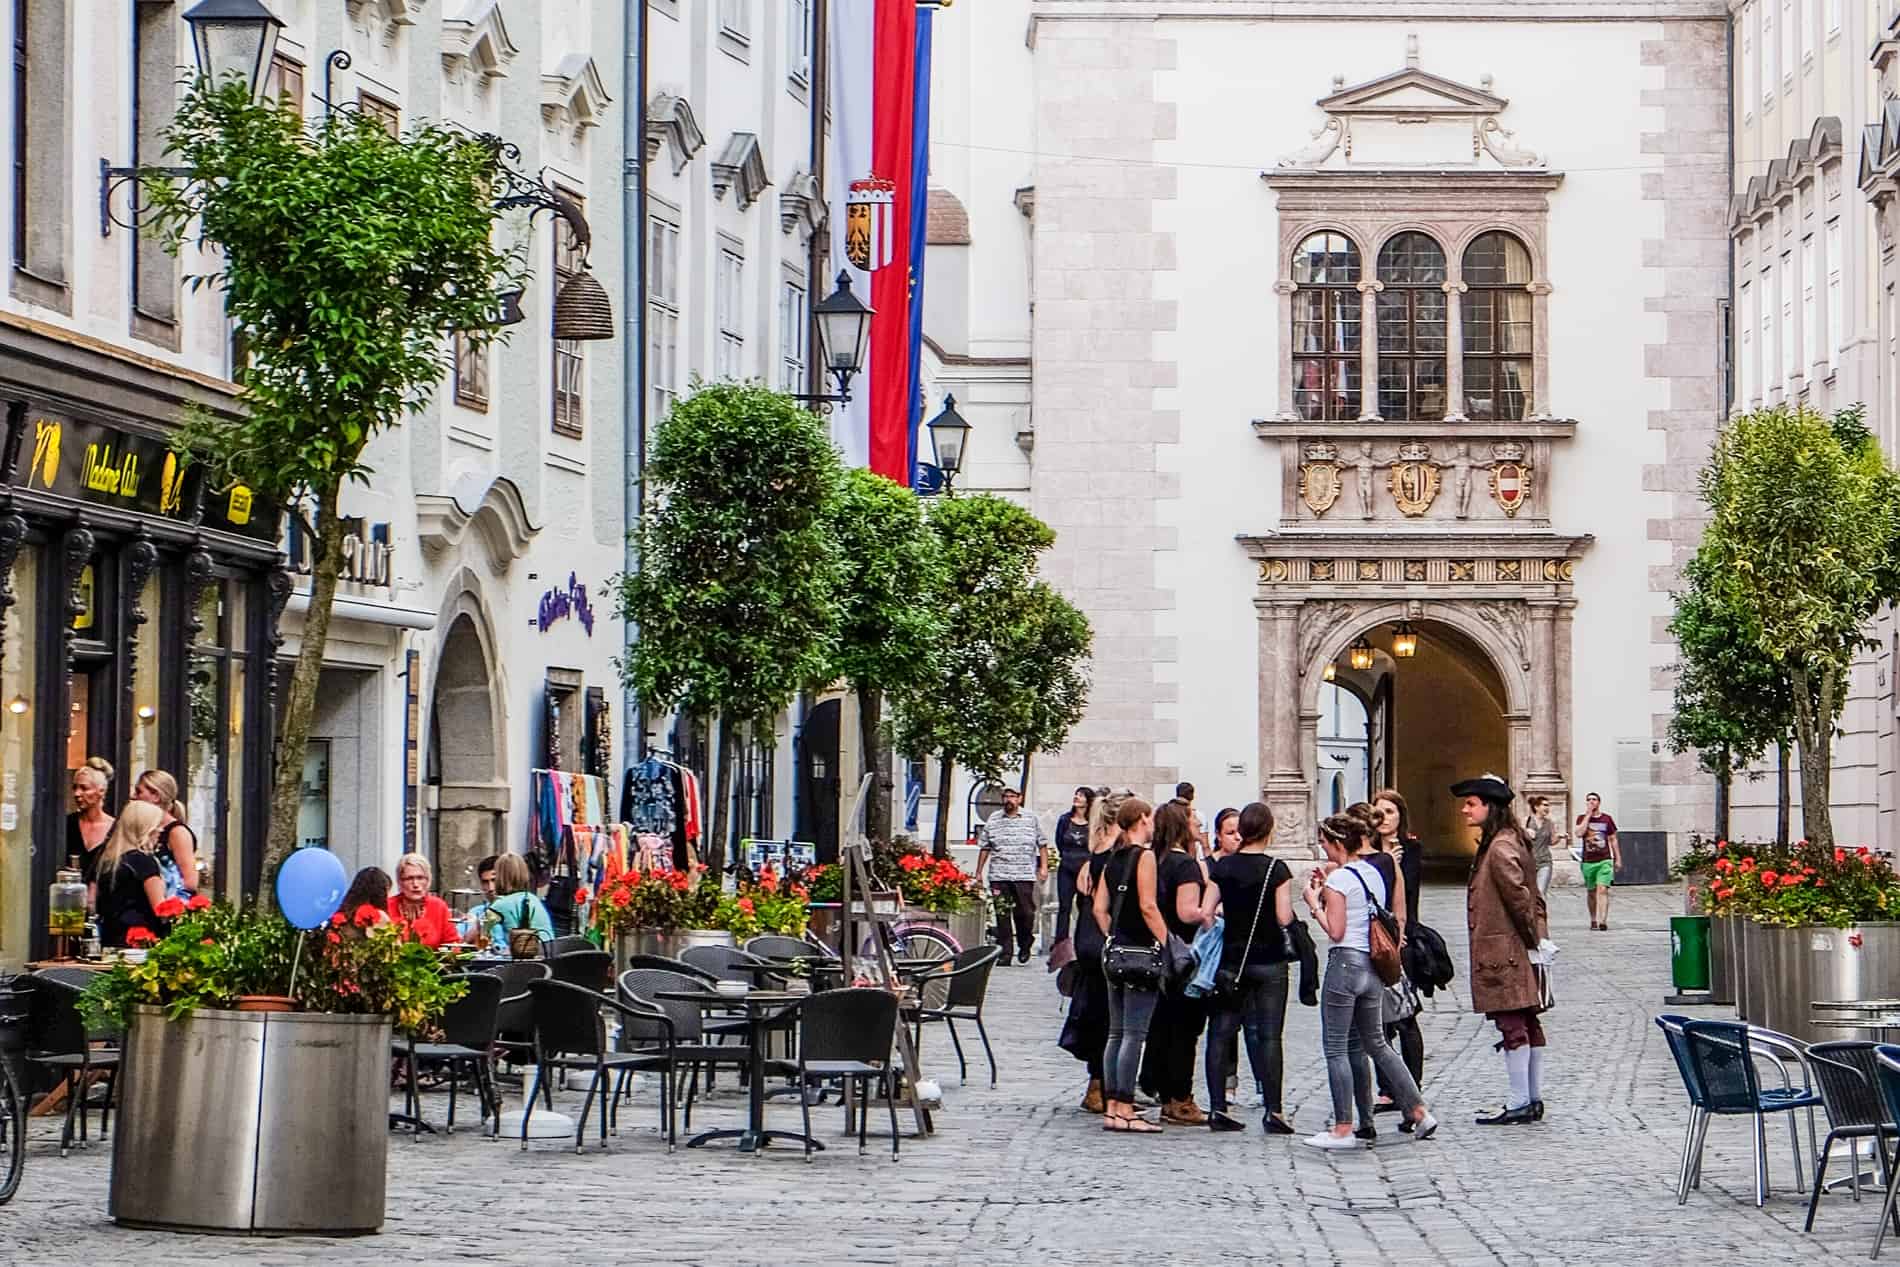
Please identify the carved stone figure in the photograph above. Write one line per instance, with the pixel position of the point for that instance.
(1501, 142)
(1365, 466)
(1326, 138)
(1317, 620)
(1461, 462)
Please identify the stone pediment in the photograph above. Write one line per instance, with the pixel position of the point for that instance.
(1412, 118)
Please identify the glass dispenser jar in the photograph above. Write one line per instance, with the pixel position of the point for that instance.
(66, 904)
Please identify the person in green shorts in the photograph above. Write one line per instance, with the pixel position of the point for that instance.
(1602, 855)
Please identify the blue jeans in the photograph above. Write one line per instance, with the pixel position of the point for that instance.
(1352, 1022)
(1130, 1010)
(1259, 1012)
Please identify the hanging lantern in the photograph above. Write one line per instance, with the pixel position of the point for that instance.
(582, 309)
(1405, 640)
(1359, 654)
(1330, 672)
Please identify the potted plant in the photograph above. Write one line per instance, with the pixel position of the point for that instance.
(934, 890)
(287, 1106)
(769, 906)
(658, 913)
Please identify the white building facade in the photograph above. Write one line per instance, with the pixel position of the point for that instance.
(1343, 327)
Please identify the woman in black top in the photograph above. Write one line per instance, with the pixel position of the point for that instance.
(88, 825)
(1072, 847)
(129, 886)
(1085, 1025)
(1397, 842)
(1127, 913)
(1167, 1071)
(1251, 890)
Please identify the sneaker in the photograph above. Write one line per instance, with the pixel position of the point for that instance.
(1332, 1143)
(1219, 1121)
(1425, 1127)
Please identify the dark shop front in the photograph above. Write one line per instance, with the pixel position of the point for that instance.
(138, 607)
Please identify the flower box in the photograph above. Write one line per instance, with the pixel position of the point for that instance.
(668, 942)
(252, 1122)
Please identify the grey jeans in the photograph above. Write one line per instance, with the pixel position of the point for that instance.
(1259, 1012)
(1131, 1008)
(1543, 878)
(1352, 1007)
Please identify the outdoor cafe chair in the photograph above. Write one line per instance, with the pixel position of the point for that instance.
(1671, 1026)
(570, 1033)
(57, 1039)
(566, 945)
(724, 962)
(1723, 1056)
(685, 1032)
(1887, 1072)
(468, 1039)
(591, 968)
(514, 1016)
(847, 1034)
(779, 946)
(967, 983)
(1847, 1076)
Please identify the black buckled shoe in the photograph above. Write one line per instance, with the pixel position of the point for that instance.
(1367, 1133)
(1537, 1110)
(1522, 1116)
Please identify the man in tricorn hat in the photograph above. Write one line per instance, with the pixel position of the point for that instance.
(1507, 924)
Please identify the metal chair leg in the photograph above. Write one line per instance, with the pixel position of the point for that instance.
(890, 1105)
(963, 1070)
(1695, 1155)
(1761, 1161)
(804, 1109)
(1794, 1140)
(864, 1109)
(527, 1105)
(1688, 1141)
(988, 1054)
(1820, 1176)
(580, 1127)
(1887, 1211)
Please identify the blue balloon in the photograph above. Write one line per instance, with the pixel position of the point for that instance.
(310, 887)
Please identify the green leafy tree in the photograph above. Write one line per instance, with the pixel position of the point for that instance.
(346, 257)
(1805, 520)
(736, 596)
(1731, 701)
(1011, 675)
(889, 576)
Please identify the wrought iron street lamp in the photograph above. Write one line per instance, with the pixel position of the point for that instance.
(234, 37)
(844, 336)
(1405, 640)
(948, 431)
(1359, 654)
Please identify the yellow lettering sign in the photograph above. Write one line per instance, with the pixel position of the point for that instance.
(45, 451)
(239, 510)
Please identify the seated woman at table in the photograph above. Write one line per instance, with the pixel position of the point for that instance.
(129, 885)
(426, 915)
(368, 892)
(515, 905)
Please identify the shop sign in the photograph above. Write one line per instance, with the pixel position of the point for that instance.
(562, 602)
(368, 557)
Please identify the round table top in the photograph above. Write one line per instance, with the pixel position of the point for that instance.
(1855, 1005)
(716, 996)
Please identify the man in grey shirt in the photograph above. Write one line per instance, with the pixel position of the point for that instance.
(1013, 858)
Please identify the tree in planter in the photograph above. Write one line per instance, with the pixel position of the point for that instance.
(890, 627)
(1731, 701)
(1805, 521)
(736, 597)
(347, 257)
(1010, 667)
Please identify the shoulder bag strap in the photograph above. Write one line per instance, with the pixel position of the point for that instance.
(1373, 906)
(1121, 895)
(1265, 883)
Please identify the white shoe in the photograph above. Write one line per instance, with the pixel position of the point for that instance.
(1333, 1143)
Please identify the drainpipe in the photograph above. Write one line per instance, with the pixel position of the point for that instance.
(634, 269)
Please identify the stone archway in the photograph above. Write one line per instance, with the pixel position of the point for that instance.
(467, 743)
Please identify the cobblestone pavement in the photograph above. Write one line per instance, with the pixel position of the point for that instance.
(1017, 1173)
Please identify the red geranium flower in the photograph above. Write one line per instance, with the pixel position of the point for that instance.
(335, 938)
(170, 908)
(207, 942)
(140, 937)
(337, 918)
(1724, 865)
(365, 915)
(1768, 879)
(1840, 855)
(745, 904)
(582, 896)
(1853, 939)
(1863, 851)
(1748, 864)
(198, 902)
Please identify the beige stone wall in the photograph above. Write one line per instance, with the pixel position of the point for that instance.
(1101, 357)
(1685, 83)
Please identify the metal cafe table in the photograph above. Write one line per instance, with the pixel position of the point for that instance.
(761, 1007)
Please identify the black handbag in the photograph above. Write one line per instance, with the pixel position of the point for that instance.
(1143, 966)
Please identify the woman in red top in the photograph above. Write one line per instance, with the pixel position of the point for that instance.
(426, 915)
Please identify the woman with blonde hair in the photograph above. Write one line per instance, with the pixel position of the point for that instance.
(1085, 1027)
(1128, 914)
(517, 906)
(88, 825)
(129, 888)
(422, 912)
(177, 850)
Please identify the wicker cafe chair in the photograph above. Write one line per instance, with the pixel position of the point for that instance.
(847, 1034)
(569, 1033)
(1723, 1055)
(684, 1035)
(57, 1039)
(593, 969)
(468, 1039)
(566, 946)
(968, 982)
(724, 962)
(514, 1017)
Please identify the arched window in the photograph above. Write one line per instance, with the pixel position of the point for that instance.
(1326, 328)
(1497, 328)
(1412, 328)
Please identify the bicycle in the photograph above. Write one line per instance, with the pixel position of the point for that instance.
(15, 1005)
(913, 939)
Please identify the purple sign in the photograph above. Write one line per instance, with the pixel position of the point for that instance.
(558, 604)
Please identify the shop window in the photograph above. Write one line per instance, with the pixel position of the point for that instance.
(19, 665)
(313, 800)
(217, 676)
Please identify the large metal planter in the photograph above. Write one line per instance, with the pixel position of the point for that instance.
(271, 1122)
(1786, 970)
(1735, 934)
(664, 941)
(1721, 988)
(970, 928)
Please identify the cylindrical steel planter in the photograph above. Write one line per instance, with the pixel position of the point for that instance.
(1862, 962)
(664, 941)
(970, 928)
(1721, 984)
(1751, 984)
(253, 1122)
(825, 919)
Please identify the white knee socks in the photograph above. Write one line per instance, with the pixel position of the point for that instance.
(1536, 1072)
(1518, 1063)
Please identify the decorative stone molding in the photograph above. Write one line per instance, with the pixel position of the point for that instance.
(76, 547)
(670, 123)
(198, 575)
(12, 538)
(1450, 561)
(496, 512)
(1816, 154)
(740, 164)
(573, 95)
(477, 41)
(801, 205)
(1025, 201)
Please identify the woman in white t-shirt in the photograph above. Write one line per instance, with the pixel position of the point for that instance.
(1352, 1000)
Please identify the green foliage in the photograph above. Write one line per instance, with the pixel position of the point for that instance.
(1013, 660)
(737, 592)
(347, 257)
(1731, 701)
(889, 570)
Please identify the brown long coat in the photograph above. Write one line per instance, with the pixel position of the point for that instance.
(1506, 918)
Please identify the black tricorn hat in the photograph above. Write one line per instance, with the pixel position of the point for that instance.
(1486, 786)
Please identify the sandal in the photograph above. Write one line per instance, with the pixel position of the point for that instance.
(1140, 1126)
(1110, 1122)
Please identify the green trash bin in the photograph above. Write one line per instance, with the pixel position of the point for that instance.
(1689, 952)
